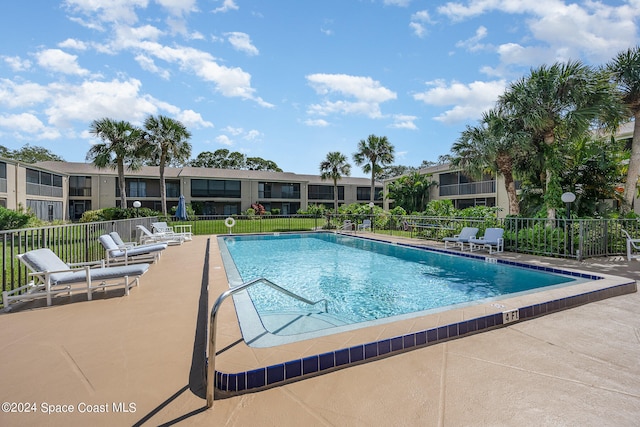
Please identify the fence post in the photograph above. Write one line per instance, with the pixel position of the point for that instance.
(579, 255)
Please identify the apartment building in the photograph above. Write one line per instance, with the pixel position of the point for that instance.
(27, 186)
(73, 188)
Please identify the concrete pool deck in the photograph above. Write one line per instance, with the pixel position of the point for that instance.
(575, 367)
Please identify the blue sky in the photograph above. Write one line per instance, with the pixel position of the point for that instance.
(287, 80)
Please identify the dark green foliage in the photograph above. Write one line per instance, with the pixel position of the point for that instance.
(12, 220)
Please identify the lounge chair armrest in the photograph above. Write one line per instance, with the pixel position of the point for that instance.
(99, 263)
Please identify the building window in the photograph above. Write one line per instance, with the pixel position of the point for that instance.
(173, 188)
(364, 193)
(136, 188)
(215, 188)
(43, 184)
(3, 170)
(80, 186)
(324, 192)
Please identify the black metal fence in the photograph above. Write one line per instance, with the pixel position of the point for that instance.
(577, 239)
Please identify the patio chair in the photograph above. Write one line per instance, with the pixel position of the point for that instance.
(633, 246)
(125, 255)
(462, 238)
(129, 245)
(166, 237)
(183, 230)
(492, 239)
(366, 225)
(347, 225)
(52, 276)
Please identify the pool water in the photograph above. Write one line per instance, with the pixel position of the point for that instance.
(365, 280)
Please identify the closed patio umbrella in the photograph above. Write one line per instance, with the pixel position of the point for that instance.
(181, 210)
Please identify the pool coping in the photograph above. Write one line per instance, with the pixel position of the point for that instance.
(498, 314)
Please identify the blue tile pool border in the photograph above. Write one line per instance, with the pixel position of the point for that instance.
(228, 384)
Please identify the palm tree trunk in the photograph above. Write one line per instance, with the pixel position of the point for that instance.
(634, 167)
(335, 195)
(123, 185)
(373, 183)
(163, 188)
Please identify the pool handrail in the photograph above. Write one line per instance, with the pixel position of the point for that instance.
(211, 369)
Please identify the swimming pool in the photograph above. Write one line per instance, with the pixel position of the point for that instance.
(362, 280)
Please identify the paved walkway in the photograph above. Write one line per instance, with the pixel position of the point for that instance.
(137, 360)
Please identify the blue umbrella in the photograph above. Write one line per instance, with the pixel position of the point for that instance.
(181, 210)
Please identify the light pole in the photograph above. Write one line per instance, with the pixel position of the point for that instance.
(568, 198)
(137, 205)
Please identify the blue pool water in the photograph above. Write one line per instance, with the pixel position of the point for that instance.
(364, 280)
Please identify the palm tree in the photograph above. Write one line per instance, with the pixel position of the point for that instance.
(121, 142)
(411, 192)
(334, 167)
(558, 103)
(493, 146)
(625, 72)
(374, 153)
(168, 140)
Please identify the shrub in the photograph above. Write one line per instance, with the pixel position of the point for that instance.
(12, 220)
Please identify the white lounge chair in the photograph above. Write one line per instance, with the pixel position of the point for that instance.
(462, 238)
(125, 255)
(492, 239)
(129, 245)
(633, 247)
(183, 230)
(147, 236)
(52, 276)
(347, 225)
(366, 225)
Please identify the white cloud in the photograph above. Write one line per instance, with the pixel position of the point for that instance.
(73, 44)
(562, 30)
(227, 5)
(473, 44)
(191, 118)
(317, 123)
(242, 43)
(468, 100)
(16, 63)
(121, 11)
(62, 62)
(148, 64)
(368, 94)
(26, 123)
(418, 21)
(224, 140)
(403, 121)
(22, 95)
(179, 7)
(401, 3)
(252, 135)
(233, 131)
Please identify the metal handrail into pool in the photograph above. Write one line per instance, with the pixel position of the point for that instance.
(211, 370)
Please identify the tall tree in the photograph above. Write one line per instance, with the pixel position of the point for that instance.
(558, 103)
(120, 146)
(373, 154)
(625, 71)
(168, 140)
(34, 154)
(334, 167)
(491, 147)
